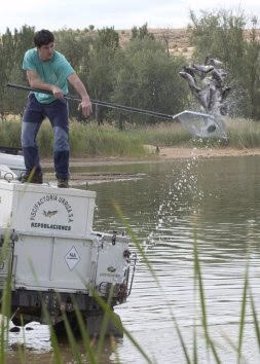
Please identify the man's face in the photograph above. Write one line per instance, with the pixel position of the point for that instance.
(46, 51)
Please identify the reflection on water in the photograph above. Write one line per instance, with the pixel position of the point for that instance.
(214, 202)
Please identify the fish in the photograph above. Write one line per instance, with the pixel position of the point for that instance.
(191, 81)
(203, 68)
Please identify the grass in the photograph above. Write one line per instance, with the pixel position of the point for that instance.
(91, 140)
(243, 133)
(85, 140)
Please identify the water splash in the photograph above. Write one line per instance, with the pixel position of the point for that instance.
(182, 198)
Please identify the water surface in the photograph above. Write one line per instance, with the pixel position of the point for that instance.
(213, 202)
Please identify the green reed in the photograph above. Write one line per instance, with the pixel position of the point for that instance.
(5, 260)
(243, 133)
(91, 140)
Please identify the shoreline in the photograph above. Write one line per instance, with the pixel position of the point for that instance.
(206, 152)
(165, 154)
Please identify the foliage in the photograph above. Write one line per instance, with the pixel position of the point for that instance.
(141, 33)
(144, 69)
(12, 48)
(102, 65)
(75, 46)
(144, 73)
(220, 34)
(88, 140)
(148, 79)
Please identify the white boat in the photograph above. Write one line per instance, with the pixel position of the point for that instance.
(11, 159)
(55, 263)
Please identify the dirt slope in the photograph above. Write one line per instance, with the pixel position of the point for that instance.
(177, 40)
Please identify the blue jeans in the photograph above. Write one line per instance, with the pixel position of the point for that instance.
(58, 114)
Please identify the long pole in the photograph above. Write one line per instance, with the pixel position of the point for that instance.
(109, 105)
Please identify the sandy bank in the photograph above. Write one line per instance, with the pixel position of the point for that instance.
(165, 153)
(173, 153)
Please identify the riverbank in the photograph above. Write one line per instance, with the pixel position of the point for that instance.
(165, 153)
(178, 153)
(80, 175)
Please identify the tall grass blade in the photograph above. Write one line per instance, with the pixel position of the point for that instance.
(84, 334)
(54, 341)
(256, 322)
(114, 319)
(198, 278)
(22, 348)
(6, 295)
(243, 314)
(136, 243)
(183, 345)
(195, 345)
(113, 344)
(149, 266)
(72, 341)
(105, 323)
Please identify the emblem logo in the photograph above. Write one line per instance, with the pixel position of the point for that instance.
(111, 269)
(49, 213)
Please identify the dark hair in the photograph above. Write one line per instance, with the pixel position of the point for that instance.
(43, 37)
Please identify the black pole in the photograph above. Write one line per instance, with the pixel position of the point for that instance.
(97, 102)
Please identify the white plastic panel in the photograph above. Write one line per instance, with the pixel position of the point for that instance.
(53, 263)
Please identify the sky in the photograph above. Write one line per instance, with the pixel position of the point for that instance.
(120, 14)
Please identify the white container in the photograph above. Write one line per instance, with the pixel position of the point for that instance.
(68, 265)
(47, 211)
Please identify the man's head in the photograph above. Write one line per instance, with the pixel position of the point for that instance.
(44, 41)
(43, 37)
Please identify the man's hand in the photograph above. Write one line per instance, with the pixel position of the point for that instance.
(35, 82)
(86, 107)
(57, 92)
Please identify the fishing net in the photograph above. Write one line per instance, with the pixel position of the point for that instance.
(202, 125)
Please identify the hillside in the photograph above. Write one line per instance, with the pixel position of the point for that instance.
(177, 40)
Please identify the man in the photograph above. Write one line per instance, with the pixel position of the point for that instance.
(49, 70)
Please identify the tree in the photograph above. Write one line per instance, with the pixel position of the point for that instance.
(75, 45)
(221, 35)
(102, 67)
(12, 49)
(141, 33)
(147, 78)
(251, 71)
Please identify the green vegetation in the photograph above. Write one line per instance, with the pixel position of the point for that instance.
(145, 75)
(144, 72)
(244, 133)
(221, 34)
(92, 140)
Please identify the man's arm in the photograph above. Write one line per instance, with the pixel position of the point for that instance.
(79, 87)
(35, 82)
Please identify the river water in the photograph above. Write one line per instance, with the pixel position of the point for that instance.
(170, 206)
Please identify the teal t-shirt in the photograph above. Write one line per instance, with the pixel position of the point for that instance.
(54, 71)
